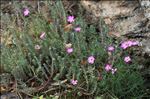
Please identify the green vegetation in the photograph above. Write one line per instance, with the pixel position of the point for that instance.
(47, 70)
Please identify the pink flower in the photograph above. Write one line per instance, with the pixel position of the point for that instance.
(26, 12)
(70, 19)
(127, 59)
(108, 67)
(111, 48)
(135, 43)
(77, 29)
(74, 82)
(113, 70)
(69, 50)
(42, 36)
(125, 44)
(129, 43)
(91, 59)
(37, 47)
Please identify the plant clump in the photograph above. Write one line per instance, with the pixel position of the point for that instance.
(69, 58)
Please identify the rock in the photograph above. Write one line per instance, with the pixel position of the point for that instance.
(146, 45)
(125, 15)
(145, 5)
(109, 9)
